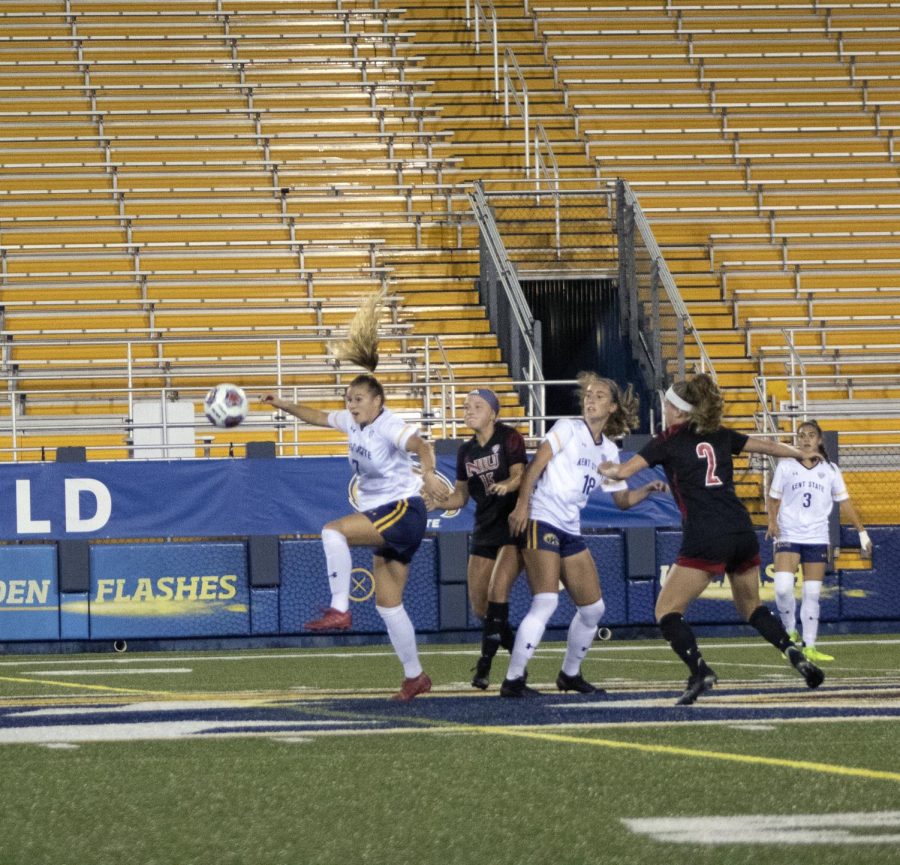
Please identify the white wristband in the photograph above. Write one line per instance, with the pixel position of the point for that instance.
(864, 539)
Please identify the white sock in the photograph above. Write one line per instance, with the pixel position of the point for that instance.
(530, 631)
(785, 600)
(809, 611)
(582, 630)
(339, 564)
(403, 638)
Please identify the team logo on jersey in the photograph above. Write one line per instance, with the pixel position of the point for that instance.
(550, 539)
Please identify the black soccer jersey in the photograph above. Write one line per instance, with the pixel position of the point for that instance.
(700, 471)
(482, 466)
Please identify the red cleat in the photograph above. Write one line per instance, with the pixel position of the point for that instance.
(410, 688)
(331, 620)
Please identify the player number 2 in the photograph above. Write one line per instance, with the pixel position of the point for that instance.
(705, 452)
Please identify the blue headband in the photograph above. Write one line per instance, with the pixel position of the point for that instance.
(488, 396)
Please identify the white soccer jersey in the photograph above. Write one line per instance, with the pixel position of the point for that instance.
(379, 457)
(807, 497)
(571, 475)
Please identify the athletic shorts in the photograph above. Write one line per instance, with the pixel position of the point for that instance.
(402, 524)
(809, 553)
(485, 551)
(720, 554)
(491, 538)
(543, 536)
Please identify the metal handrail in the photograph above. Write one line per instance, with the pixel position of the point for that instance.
(512, 288)
(481, 17)
(509, 60)
(540, 168)
(666, 279)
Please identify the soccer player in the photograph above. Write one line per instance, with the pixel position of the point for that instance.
(392, 517)
(801, 497)
(696, 453)
(547, 517)
(489, 468)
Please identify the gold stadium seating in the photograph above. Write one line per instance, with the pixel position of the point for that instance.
(163, 160)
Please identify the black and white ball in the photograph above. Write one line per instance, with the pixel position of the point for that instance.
(226, 405)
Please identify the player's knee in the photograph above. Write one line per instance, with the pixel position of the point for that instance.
(543, 605)
(590, 614)
(784, 587)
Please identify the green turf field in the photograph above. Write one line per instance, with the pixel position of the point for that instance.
(297, 756)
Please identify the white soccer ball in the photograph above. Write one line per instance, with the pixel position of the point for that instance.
(226, 405)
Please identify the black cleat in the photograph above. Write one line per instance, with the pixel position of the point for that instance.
(482, 673)
(812, 675)
(697, 684)
(517, 688)
(576, 683)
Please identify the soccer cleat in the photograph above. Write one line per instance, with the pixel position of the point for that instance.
(697, 684)
(410, 688)
(517, 688)
(810, 672)
(330, 620)
(811, 653)
(578, 683)
(482, 672)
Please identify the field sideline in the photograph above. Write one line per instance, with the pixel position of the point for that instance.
(297, 756)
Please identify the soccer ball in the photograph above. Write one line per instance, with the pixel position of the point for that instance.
(226, 405)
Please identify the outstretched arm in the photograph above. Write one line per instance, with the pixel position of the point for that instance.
(771, 447)
(623, 471)
(307, 415)
(625, 499)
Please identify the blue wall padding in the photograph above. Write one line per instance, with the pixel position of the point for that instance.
(74, 620)
(29, 593)
(873, 593)
(169, 590)
(264, 611)
(641, 602)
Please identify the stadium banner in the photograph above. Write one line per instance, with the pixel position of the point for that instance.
(224, 497)
(29, 593)
(168, 590)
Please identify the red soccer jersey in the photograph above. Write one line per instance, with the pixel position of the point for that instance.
(700, 471)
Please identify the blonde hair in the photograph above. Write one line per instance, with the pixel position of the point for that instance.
(361, 345)
(703, 394)
(625, 417)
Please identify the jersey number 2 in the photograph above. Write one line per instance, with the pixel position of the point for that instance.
(705, 452)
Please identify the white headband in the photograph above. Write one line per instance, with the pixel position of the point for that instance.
(677, 401)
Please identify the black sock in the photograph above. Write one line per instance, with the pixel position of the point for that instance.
(769, 625)
(682, 640)
(499, 612)
(496, 626)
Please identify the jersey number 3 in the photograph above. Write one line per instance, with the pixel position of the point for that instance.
(705, 452)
